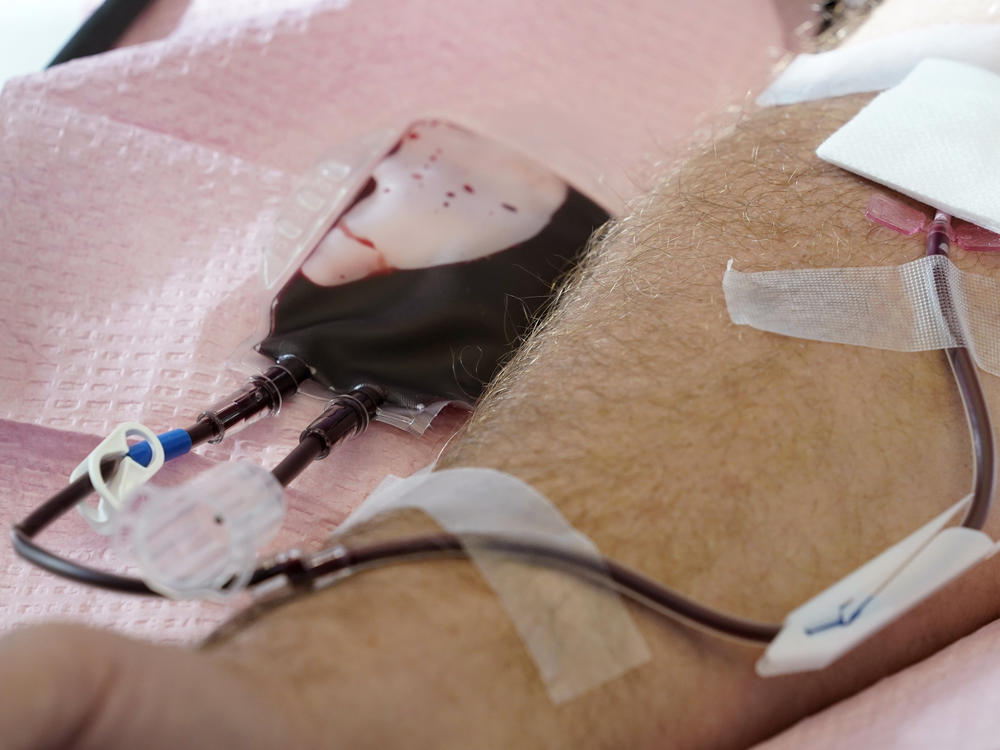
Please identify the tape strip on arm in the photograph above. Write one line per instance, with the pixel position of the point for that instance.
(886, 307)
(579, 636)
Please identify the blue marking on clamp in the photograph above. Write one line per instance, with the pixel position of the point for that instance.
(175, 443)
(841, 620)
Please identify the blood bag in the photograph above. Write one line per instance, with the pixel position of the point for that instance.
(435, 270)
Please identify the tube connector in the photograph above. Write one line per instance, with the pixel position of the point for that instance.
(261, 397)
(345, 416)
(201, 539)
(940, 235)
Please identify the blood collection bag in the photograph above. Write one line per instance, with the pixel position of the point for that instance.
(432, 274)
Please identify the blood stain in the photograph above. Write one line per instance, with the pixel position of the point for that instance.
(450, 194)
(413, 136)
(417, 176)
(468, 188)
(361, 240)
(382, 267)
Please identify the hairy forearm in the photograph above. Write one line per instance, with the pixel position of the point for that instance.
(665, 429)
(745, 469)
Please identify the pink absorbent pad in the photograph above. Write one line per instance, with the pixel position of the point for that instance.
(141, 189)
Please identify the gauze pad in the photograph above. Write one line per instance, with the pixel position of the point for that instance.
(932, 137)
(893, 307)
(578, 635)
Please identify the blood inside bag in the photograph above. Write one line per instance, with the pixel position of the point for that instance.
(429, 279)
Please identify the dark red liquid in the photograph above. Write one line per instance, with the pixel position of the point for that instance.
(431, 333)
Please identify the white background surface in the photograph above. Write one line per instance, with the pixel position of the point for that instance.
(33, 31)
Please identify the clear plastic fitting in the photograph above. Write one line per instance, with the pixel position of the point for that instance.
(201, 539)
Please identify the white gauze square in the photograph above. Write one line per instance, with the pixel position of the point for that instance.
(934, 137)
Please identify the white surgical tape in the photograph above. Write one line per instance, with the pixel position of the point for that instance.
(932, 137)
(888, 307)
(579, 636)
(882, 63)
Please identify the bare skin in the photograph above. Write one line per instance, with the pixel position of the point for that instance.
(744, 469)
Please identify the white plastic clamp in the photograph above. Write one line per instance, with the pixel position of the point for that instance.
(128, 476)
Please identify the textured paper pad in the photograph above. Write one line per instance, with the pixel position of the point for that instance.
(139, 188)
